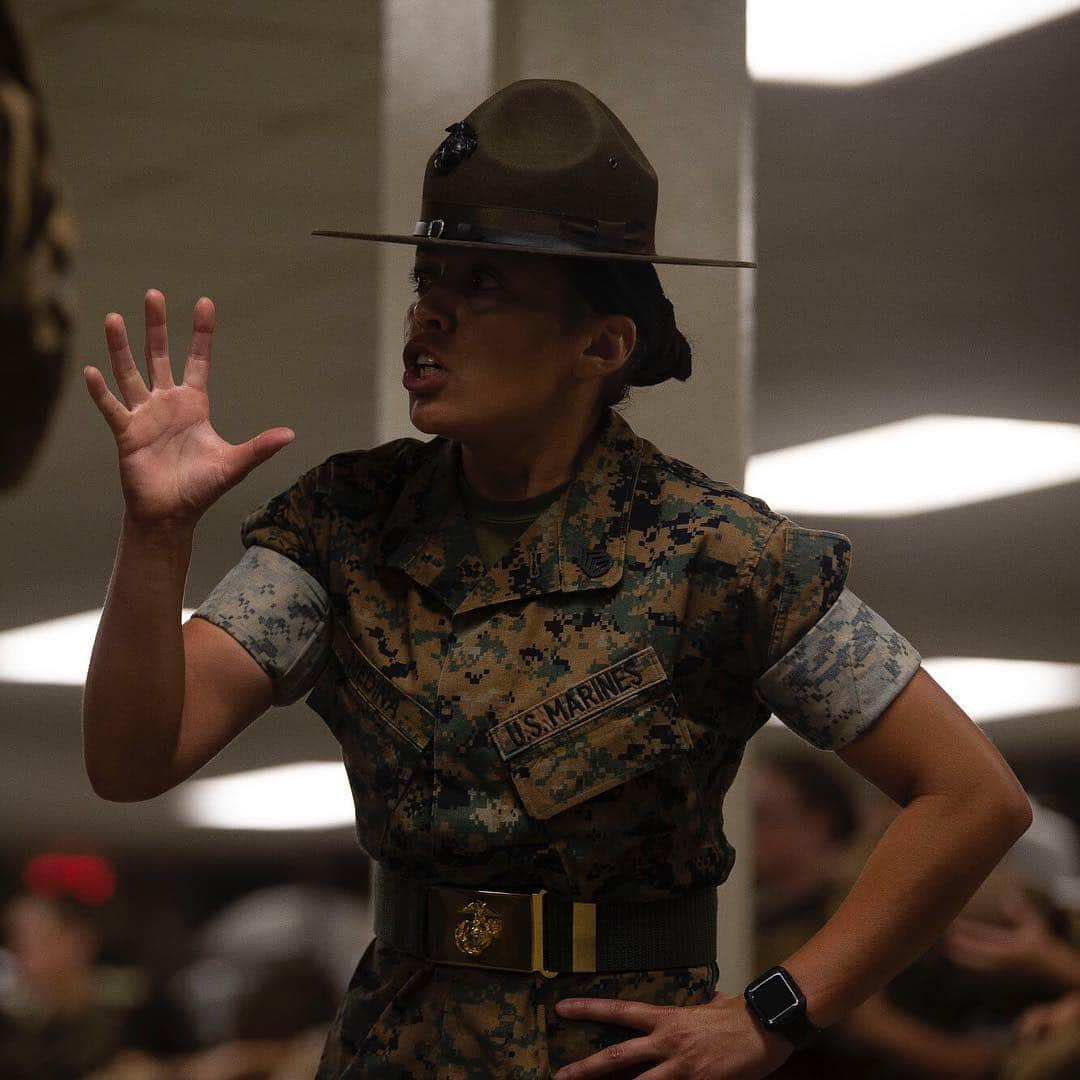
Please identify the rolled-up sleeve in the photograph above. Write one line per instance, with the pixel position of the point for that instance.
(828, 665)
(279, 613)
(274, 601)
(840, 676)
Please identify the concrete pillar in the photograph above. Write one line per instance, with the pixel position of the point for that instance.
(437, 67)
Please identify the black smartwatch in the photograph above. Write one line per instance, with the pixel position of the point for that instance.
(778, 1003)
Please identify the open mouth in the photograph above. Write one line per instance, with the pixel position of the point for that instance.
(426, 362)
(423, 372)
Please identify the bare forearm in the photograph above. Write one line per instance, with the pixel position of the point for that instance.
(921, 873)
(134, 693)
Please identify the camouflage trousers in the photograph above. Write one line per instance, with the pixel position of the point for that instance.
(405, 1017)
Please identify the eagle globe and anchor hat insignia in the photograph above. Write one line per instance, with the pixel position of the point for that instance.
(478, 929)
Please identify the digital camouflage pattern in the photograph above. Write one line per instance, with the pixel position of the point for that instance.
(404, 1017)
(841, 675)
(281, 615)
(569, 718)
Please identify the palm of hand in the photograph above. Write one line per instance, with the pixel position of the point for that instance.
(173, 464)
(172, 461)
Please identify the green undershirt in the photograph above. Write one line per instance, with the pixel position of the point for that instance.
(497, 523)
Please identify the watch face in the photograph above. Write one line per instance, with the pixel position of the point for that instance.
(775, 997)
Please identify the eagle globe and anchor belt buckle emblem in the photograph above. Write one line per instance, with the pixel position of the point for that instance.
(480, 927)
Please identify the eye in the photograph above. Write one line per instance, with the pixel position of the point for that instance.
(484, 279)
(420, 278)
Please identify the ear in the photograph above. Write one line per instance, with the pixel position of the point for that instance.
(610, 341)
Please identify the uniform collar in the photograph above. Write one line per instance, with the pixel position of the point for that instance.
(577, 543)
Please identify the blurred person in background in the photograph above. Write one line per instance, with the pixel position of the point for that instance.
(267, 972)
(806, 829)
(36, 238)
(66, 1015)
(804, 819)
(1047, 1042)
(1029, 941)
(277, 1025)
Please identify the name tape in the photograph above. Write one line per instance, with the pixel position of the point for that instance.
(400, 711)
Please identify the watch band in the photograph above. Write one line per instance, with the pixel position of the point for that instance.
(779, 1006)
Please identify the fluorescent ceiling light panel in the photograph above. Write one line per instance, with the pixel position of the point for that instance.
(852, 42)
(915, 466)
(988, 689)
(55, 653)
(304, 795)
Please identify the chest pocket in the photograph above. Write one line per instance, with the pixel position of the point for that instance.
(383, 732)
(601, 732)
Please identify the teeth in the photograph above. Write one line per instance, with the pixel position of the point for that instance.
(425, 360)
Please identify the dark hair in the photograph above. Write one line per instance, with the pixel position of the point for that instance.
(819, 789)
(626, 287)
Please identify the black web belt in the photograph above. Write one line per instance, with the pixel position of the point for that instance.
(542, 932)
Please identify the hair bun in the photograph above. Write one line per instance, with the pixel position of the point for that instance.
(634, 289)
(667, 352)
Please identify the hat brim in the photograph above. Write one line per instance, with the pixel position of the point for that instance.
(426, 241)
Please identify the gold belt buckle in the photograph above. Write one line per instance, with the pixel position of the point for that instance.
(537, 908)
(503, 931)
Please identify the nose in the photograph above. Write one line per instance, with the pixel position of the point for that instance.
(432, 311)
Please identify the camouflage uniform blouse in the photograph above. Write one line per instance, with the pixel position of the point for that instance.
(568, 718)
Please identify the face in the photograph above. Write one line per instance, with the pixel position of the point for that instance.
(46, 946)
(508, 351)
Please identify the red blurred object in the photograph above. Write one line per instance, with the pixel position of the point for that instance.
(86, 878)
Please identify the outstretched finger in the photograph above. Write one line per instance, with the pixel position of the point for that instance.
(243, 458)
(197, 367)
(157, 340)
(116, 416)
(128, 380)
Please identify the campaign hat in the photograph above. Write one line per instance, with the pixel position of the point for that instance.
(542, 166)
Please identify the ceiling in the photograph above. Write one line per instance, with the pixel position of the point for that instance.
(917, 242)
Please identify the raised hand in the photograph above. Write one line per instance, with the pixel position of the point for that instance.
(173, 464)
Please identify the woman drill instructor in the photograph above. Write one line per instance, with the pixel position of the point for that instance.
(542, 644)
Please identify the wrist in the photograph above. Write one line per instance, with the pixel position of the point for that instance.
(170, 536)
(775, 1000)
